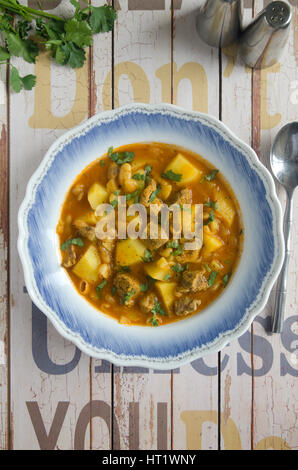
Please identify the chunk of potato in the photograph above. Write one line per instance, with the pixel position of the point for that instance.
(211, 243)
(89, 218)
(182, 166)
(167, 291)
(97, 194)
(87, 267)
(158, 269)
(129, 252)
(225, 208)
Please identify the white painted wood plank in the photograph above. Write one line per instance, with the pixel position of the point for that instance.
(236, 384)
(142, 46)
(4, 301)
(275, 393)
(195, 86)
(47, 406)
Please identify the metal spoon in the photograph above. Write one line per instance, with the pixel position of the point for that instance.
(284, 164)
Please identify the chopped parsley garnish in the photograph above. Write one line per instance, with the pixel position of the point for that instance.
(134, 195)
(173, 244)
(154, 194)
(128, 296)
(148, 257)
(102, 163)
(114, 203)
(226, 278)
(241, 231)
(178, 249)
(212, 278)
(114, 290)
(154, 321)
(171, 175)
(207, 268)
(212, 204)
(72, 241)
(139, 176)
(210, 218)
(144, 287)
(179, 268)
(148, 169)
(167, 277)
(120, 157)
(150, 279)
(211, 176)
(157, 309)
(99, 287)
(124, 269)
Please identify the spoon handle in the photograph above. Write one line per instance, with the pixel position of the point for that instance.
(281, 289)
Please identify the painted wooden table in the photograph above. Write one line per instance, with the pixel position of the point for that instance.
(51, 395)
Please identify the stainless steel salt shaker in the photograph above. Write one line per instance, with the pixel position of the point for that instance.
(262, 42)
(218, 22)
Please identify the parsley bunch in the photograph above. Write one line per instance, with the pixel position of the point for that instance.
(25, 30)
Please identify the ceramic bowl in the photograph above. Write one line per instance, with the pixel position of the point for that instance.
(172, 345)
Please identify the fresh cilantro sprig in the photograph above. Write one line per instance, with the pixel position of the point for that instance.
(171, 175)
(25, 30)
(72, 241)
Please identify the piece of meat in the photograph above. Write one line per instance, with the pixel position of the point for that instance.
(155, 243)
(186, 305)
(85, 230)
(189, 256)
(193, 281)
(184, 196)
(70, 257)
(147, 302)
(127, 288)
(147, 192)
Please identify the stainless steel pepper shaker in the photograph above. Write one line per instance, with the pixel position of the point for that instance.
(218, 22)
(262, 42)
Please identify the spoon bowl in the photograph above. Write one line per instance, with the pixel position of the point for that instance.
(284, 164)
(284, 156)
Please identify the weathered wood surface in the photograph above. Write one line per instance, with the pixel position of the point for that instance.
(53, 396)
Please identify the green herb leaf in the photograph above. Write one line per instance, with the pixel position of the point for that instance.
(148, 257)
(99, 287)
(154, 194)
(207, 268)
(226, 278)
(120, 157)
(144, 287)
(178, 251)
(212, 278)
(4, 55)
(21, 48)
(170, 175)
(211, 176)
(102, 18)
(139, 176)
(167, 277)
(179, 268)
(128, 296)
(78, 32)
(72, 241)
(125, 269)
(157, 309)
(212, 204)
(114, 290)
(154, 321)
(210, 218)
(173, 244)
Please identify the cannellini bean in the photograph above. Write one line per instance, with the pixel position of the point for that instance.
(78, 190)
(104, 270)
(125, 178)
(112, 185)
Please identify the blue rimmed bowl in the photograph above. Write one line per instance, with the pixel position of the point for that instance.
(172, 345)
